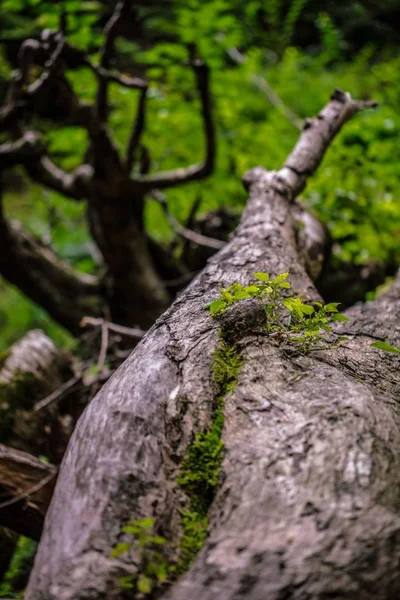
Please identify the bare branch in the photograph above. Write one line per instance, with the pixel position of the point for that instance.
(73, 185)
(128, 81)
(194, 172)
(133, 332)
(49, 67)
(315, 138)
(192, 236)
(42, 276)
(21, 151)
(111, 32)
(58, 393)
(137, 131)
(75, 57)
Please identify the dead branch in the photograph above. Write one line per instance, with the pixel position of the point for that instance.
(26, 488)
(194, 172)
(73, 185)
(188, 234)
(22, 151)
(311, 444)
(38, 272)
(132, 332)
(137, 130)
(110, 32)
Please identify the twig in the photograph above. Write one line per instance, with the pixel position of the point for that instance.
(192, 236)
(60, 391)
(103, 347)
(132, 332)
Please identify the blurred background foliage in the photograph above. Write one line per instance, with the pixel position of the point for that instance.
(297, 51)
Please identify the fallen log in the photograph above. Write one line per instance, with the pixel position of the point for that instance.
(305, 502)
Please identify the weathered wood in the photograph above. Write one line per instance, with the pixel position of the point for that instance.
(32, 369)
(26, 487)
(307, 505)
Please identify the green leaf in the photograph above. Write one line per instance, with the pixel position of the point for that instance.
(226, 295)
(306, 309)
(252, 289)
(216, 307)
(285, 284)
(331, 307)
(158, 539)
(126, 582)
(385, 346)
(120, 549)
(261, 276)
(144, 584)
(339, 317)
(280, 278)
(291, 303)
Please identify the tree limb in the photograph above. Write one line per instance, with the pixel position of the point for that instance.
(73, 185)
(33, 368)
(21, 151)
(38, 272)
(137, 131)
(110, 32)
(188, 234)
(194, 172)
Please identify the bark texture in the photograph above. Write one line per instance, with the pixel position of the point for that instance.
(307, 503)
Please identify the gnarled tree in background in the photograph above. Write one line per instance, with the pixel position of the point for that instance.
(114, 186)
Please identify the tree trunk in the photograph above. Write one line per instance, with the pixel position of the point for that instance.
(306, 505)
(136, 294)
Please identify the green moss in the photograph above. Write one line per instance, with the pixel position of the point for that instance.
(201, 466)
(14, 394)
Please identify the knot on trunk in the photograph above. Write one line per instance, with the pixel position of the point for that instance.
(242, 319)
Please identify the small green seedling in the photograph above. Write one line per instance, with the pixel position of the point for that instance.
(155, 569)
(288, 320)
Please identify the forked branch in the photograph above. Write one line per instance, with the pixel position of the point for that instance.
(194, 172)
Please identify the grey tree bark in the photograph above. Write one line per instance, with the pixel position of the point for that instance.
(307, 502)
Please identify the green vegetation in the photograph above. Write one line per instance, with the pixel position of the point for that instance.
(288, 321)
(302, 50)
(17, 574)
(386, 347)
(154, 567)
(200, 468)
(14, 393)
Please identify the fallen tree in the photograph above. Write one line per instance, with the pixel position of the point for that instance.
(304, 503)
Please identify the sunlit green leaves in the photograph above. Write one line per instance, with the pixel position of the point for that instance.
(386, 347)
(288, 320)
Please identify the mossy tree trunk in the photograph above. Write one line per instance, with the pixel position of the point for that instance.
(298, 497)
